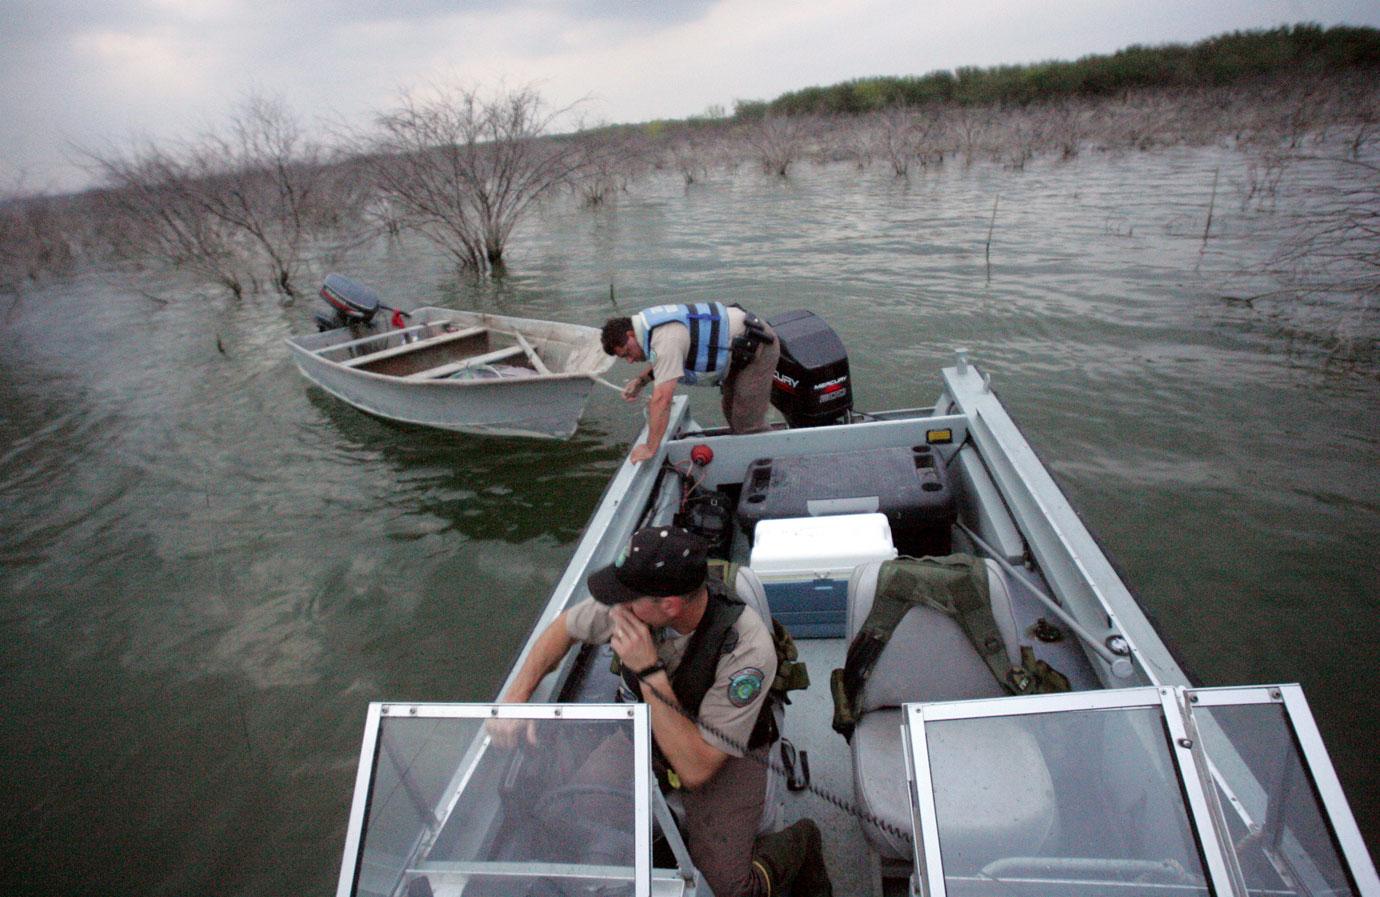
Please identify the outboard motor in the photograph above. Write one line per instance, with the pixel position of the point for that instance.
(811, 386)
(351, 303)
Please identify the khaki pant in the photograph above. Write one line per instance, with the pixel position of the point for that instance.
(746, 392)
(721, 820)
(721, 817)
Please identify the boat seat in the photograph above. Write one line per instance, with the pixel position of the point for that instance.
(429, 342)
(928, 658)
(454, 367)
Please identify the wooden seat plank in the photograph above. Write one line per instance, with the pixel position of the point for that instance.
(429, 342)
(446, 370)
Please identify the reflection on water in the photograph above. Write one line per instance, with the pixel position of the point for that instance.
(208, 567)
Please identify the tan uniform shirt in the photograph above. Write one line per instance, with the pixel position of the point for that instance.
(671, 343)
(740, 685)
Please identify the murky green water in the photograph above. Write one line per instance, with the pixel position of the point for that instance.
(209, 568)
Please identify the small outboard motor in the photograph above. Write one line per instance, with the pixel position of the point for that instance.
(351, 303)
(811, 386)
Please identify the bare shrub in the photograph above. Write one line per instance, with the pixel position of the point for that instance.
(156, 194)
(1335, 247)
(463, 168)
(232, 203)
(607, 161)
(778, 142)
(905, 138)
(690, 153)
(970, 129)
(34, 240)
(1064, 129)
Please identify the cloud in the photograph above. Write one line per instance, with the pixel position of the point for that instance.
(95, 71)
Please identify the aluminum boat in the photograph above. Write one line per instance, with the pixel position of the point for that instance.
(464, 371)
(1135, 781)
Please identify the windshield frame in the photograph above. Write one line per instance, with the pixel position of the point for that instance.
(380, 712)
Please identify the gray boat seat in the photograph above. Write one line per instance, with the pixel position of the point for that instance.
(928, 658)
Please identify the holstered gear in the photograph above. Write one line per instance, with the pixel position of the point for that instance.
(743, 349)
(955, 585)
(792, 861)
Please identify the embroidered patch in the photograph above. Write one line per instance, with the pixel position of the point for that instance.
(743, 686)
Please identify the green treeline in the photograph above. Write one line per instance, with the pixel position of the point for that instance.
(1214, 62)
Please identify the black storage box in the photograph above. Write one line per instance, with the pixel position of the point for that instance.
(811, 386)
(909, 485)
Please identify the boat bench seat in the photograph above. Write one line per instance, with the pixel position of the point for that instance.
(928, 658)
(453, 367)
(439, 339)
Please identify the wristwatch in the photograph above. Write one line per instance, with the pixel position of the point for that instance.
(643, 674)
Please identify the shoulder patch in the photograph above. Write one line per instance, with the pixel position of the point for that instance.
(744, 685)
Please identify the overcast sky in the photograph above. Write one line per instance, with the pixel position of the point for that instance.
(100, 73)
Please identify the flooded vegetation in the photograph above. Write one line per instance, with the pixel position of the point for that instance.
(258, 206)
(210, 568)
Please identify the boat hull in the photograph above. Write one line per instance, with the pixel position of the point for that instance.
(547, 406)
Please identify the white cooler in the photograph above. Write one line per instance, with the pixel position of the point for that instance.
(805, 562)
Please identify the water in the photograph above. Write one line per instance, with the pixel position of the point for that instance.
(210, 568)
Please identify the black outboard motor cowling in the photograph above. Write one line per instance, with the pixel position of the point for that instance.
(811, 386)
(351, 303)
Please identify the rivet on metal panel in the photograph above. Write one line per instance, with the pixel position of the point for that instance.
(1274, 693)
(1192, 699)
(558, 711)
(493, 711)
(1185, 742)
(412, 711)
(384, 710)
(630, 713)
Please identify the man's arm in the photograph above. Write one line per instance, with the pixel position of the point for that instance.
(694, 759)
(658, 416)
(551, 646)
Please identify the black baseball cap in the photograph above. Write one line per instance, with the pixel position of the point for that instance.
(659, 561)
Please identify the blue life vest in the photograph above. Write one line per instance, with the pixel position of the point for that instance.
(709, 341)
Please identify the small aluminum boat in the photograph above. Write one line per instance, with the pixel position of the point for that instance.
(1134, 781)
(456, 370)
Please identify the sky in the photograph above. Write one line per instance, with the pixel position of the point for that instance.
(101, 75)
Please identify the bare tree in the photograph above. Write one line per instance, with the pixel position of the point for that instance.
(1335, 247)
(463, 168)
(34, 239)
(689, 154)
(778, 142)
(246, 198)
(606, 162)
(151, 190)
(905, 137)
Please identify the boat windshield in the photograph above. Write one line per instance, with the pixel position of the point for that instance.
(1147, 791)
(442, 807)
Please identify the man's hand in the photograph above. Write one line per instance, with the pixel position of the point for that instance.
(642, 453)
(632, 640)
(506, 733)
(634, 388)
